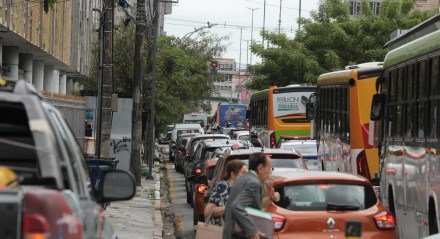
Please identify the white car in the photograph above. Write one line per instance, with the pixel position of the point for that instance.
(241, 135)
(307, 149)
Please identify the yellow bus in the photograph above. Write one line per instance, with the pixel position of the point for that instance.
(342, 108)
(280, 112)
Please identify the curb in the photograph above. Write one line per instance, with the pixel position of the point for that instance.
(158, 222)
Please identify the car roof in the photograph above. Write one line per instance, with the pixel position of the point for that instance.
(258, 149)
(288, 176)
(200, 136)
(220, 143)
(187, 126)
(299, 142)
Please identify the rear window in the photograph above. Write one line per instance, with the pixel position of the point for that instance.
(302, 149)
(17, 142)
(323, 197)
(276, 163)
(244, 137)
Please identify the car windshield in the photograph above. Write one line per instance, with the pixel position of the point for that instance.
(243, 137)
(326, 197)
(302, 148)
(284, 163)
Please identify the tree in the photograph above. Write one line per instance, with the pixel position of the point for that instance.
(182, 68)
(330, 40)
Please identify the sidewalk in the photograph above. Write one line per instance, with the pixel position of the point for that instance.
(140, 217)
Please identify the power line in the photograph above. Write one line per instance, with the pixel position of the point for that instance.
(277, 6)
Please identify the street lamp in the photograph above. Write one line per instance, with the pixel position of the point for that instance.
(197, 30)
(252, 29)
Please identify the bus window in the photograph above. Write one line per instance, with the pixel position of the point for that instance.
(409, 105)
(421, 100)
(433, 102)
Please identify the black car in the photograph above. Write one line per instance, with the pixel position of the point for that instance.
(196, 140)
(37, 144)
(182, 151)
(205, 150)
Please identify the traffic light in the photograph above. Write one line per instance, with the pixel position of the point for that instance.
(214, 65)
(123, 3)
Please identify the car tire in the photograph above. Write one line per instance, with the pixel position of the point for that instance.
(195, 216)
(432, 217)
(188, 198)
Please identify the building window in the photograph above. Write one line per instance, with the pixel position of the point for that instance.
(358, 8)
(352, 8)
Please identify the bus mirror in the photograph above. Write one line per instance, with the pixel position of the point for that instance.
(309, 111)
(377, 107)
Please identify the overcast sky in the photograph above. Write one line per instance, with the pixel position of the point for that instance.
(231, 14)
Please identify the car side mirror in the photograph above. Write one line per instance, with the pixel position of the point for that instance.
(117, 185)
(377, 107)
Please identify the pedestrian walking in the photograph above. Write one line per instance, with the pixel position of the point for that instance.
(220, 194)
(248, 191)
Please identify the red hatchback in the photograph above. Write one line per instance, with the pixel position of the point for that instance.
(319, 204)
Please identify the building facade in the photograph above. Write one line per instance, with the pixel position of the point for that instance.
(228, 84)
(375, 5)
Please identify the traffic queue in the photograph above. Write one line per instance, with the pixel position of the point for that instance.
(311, 203)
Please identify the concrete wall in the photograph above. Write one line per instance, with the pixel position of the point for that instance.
(120, 137)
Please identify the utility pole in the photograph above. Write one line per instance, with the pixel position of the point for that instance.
(136, 121)
(299, 16)
(264, 21)
(279, 18)
(153, 74)
(247, 53)
(239, 58)
(104, 100)
(252, 29)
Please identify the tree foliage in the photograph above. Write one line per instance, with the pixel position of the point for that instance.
(330, 40)
(182, 76)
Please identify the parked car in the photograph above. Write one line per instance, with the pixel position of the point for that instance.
(317, 204)
(56, 196)
(205, 150)
(307, 148)
(181, 129)
(182, 150)
(281, 159)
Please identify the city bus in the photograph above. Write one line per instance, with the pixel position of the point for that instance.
(280, 112)
(343, 102)
(405, 112)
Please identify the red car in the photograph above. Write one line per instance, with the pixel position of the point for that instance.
(316, 204)
(200, 188)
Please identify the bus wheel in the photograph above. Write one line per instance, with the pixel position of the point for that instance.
(391, 201)
(432, 217)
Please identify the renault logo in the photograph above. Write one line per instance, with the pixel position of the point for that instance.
(331, 223)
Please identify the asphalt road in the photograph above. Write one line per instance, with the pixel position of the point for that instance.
(183, 212)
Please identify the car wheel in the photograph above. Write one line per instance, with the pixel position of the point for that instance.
(188, 198)
(432, 218)
(195, 216)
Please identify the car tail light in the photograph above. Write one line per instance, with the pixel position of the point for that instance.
(35, 226)
(279, 221)
(179, 152)
(385, 220)
(187, 153)
(197, 171)
(273, 140)
(202, 188)
(362, 165)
